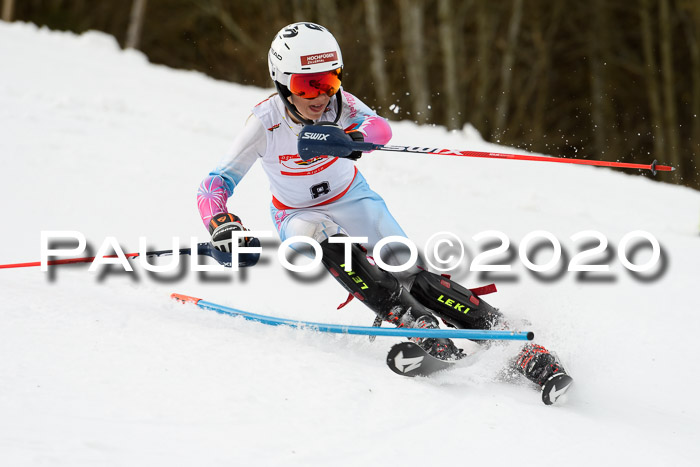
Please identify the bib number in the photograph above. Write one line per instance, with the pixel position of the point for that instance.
(320, 189)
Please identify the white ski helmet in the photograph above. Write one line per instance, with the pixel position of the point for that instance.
(302, 48)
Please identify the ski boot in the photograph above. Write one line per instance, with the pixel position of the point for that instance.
(443, 349)
(457, 306)
(542, 368)
(383, 294)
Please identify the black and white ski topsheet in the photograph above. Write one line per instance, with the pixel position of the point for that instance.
(408, 359)
(555, 387)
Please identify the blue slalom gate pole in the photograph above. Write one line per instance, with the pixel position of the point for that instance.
(473, 334)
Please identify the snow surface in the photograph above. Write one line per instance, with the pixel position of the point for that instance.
(104, 369)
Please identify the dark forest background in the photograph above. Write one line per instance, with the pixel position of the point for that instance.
(607, 79)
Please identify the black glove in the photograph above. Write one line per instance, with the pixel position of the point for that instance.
(220, 228)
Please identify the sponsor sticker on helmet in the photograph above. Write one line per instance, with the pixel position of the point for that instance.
(319, 58)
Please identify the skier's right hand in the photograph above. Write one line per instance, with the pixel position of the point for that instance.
(220, 228)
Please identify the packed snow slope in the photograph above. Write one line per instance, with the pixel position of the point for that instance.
(104, 369)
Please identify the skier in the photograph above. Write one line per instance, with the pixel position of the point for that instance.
(328, 197)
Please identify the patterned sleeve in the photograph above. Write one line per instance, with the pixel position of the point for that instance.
(356, 115)
(218, 186)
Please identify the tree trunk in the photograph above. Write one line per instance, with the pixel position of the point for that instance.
(328, 17)
(541, 112)
(507, 69)
(449, 59)
(652, 82)
(464, 51)
(667, 77)
(8, 10)
(411, 16)
(484, 47)
(376, 50)
(302, 11)
(217, 9)
(138, 14)
(601, 123)
(691, 20)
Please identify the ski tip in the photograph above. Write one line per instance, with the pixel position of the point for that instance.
(184, 298)
(555, 387)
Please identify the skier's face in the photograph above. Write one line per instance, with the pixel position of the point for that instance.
(311, 109)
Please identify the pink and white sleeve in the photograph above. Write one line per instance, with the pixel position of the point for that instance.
(216, 188)
(356, 115)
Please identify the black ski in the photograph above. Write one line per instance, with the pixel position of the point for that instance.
(408, 359)
(555, 387)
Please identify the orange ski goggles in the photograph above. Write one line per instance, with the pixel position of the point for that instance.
(312, 85)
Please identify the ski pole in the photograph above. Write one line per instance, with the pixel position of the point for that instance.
(654, 167)
(316, 141)
(56, 262)
(203, 249)
(473, 334)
